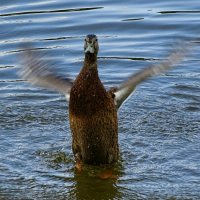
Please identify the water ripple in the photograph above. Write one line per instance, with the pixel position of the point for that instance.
(49, 11)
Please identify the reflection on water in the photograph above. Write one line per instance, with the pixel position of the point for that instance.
(88, 185)
(158, 127)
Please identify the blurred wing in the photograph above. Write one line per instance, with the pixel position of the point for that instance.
(40, 72)
(129, 86)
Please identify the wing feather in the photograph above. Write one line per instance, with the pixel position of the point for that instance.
(129, 86)
(38, 71)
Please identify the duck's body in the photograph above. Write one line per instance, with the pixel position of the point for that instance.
(92, 114)
(93, 117)
(92, 109)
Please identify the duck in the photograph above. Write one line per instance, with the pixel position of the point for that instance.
(93, 109)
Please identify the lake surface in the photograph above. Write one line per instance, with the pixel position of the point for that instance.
(159, 127)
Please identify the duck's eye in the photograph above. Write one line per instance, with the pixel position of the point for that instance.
(96, 40)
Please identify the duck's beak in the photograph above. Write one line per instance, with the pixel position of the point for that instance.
(89, 48)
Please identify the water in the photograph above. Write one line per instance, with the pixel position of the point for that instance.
(158, 127)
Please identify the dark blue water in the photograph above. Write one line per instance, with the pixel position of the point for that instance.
(159, 127)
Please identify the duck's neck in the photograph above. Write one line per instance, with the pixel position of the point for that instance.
(90, 61)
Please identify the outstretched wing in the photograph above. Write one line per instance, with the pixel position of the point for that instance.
(39, 72)
(127, 88)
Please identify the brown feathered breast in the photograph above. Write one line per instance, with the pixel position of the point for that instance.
(93, 119)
